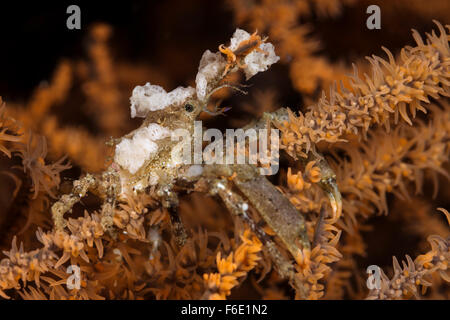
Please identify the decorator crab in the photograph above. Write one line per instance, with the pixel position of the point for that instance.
(149, 158)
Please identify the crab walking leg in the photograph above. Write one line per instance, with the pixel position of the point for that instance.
(276, 210)
(177, 226)
(111, 187)
(327, 183)
(67, 201)
(334, 195)
(237, 206)
(327, 176)
(169, 200)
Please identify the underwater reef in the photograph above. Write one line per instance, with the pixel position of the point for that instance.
(97, 200)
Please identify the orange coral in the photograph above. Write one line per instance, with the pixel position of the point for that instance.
(413, 274)
(235, 266)
(376, 170)
(8, 130)
(44, 176)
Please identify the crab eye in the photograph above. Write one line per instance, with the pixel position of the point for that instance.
(189, 107)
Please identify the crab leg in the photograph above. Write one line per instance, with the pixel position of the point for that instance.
(328, 178)
(239, 207)
(327, 183)
(169, 200)
(177, 226)
(67, 201)
(111, 186)
(276, 210)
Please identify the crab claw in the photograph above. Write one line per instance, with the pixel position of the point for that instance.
(330, 187)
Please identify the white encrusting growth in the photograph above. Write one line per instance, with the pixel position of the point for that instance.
(211, 65)
(153, 179)
(152, 97)
(194, 170)
(133, 152)
(256, 61)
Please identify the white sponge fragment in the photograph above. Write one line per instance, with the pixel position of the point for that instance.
(133, 152)
(238, 36)
(256, 61)
(194, 170)
(151, 98)
(210, 66)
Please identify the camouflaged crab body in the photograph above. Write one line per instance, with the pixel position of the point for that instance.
(162, 173)
(238, 185)
(162, 170)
